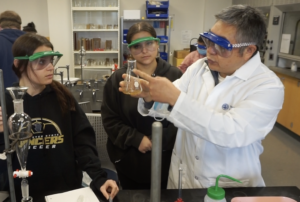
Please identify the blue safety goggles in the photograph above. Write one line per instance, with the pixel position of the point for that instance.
(200, 46)
(220, 45)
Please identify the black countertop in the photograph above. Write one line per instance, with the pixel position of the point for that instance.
(197, 195)
(286, 72)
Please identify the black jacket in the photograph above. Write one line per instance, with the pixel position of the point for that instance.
(61, 147)
(126, 127)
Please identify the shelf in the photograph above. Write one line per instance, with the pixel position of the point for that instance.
(95, 8)
(96, 52)
(148, 20)
(96, 16)
(289, 57)
(95, 30)
(93, 67)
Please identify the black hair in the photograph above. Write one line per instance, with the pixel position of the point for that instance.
(26, 45)
(30, 27)
(140, 27)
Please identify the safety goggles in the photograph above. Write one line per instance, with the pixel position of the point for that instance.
(220, 45)
(149, 43)
(42, 60)
(200, 46)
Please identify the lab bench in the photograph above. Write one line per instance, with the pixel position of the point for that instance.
(289, 115)
(197, 195)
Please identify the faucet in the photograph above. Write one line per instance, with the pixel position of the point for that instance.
(61, 76)
(68, 84)
(94, 93)
(67, 67)
(80, 93)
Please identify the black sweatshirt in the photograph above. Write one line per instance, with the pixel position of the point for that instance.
(61, 147)
(126, 127)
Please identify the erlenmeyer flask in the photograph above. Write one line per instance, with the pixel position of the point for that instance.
(132, 83)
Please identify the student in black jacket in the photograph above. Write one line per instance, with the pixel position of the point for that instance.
(63, 142)
(129, 143)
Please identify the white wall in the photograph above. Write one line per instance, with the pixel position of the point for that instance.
(30, 11)
(59, 22)
(213, 7)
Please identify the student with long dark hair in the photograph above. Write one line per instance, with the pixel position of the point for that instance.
(129, 143)
(66, 140)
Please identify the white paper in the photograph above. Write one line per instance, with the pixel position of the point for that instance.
(3, 195)
(86, 194)
(285, 43)
(186, 36)
(132, 14)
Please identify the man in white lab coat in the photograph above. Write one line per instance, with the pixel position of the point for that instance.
(224, 105)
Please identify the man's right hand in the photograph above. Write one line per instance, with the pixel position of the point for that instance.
(146, 145)
(1, 122)
(145, 86)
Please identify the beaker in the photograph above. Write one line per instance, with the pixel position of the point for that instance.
(132, 83)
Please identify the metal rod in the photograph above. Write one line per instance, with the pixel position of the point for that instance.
(68, 73)
(6, 140)
(180, 183)
(156, 162)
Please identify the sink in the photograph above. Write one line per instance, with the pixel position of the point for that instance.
(72, 79)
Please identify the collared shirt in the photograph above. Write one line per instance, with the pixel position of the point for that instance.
(220, 127)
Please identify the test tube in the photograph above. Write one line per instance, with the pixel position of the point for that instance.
(25, 189)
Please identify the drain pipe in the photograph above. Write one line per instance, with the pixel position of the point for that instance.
(156, 162)
(6, 140)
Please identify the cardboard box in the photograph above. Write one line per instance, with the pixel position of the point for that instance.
(177, 61)
(180, 54)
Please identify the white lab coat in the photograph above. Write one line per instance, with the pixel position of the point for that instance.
(220, 128)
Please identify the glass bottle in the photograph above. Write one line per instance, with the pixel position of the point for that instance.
(19, 124)
(132, 83)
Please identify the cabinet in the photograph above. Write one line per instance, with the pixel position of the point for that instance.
(162, 29)
(95, 26)
(289, 116)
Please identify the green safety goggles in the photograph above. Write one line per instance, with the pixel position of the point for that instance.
(43, 59)
(149, 43)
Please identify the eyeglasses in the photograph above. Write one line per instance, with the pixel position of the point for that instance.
(137, 46)
(200, 46)
(42, 60)
(220, 45)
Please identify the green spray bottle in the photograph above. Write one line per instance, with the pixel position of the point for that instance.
(215, 193)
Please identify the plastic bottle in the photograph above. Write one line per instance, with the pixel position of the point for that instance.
(215, 193)
(294, 67)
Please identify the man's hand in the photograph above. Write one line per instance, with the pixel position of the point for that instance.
(1, 122)
(145, 145)
(144, 94)
(110, 186)
(160, 88)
